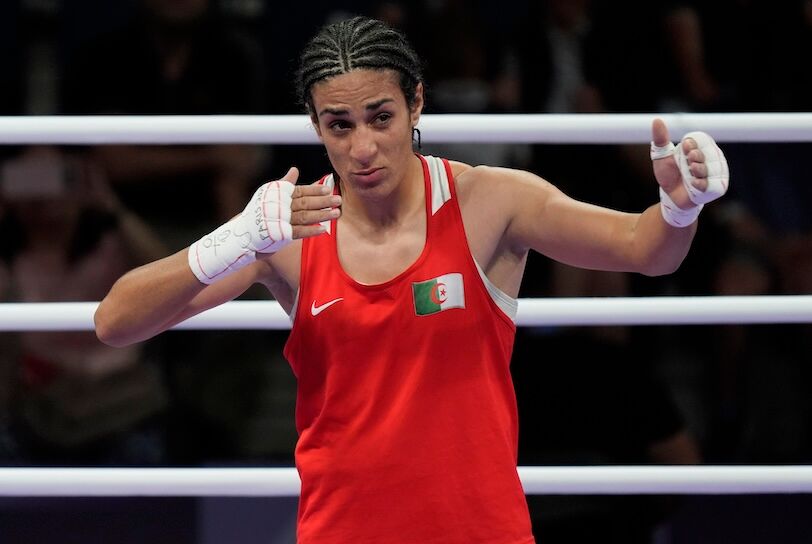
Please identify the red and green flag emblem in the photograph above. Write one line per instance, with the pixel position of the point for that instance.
(438, 294)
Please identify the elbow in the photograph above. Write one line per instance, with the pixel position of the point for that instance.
(659, 267)
(109, 330)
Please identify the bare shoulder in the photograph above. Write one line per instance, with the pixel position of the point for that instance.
(458, 168)
(504, 201)
(497, 186)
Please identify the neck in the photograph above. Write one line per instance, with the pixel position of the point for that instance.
(378, 210)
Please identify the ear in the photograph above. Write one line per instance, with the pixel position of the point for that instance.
(417, 107)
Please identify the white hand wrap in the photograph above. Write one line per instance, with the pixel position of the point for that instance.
(657, 152)
(676, 216)
(718, 178)
(718, 174)
(263, 226)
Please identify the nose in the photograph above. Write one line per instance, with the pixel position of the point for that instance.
(363, 146)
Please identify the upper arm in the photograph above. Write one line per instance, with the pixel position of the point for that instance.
(541, 217)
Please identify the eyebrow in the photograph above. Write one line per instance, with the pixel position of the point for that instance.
(371, 106)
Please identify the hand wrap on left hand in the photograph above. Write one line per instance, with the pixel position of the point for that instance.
(717, 177)
(718, 173)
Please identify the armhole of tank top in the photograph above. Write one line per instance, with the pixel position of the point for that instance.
(505, 303)
(294, 308)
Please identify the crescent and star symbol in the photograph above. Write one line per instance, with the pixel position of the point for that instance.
(438, 294)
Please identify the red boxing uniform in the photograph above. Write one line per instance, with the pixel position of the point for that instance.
(408, 430)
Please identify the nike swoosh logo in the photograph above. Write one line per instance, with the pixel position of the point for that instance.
(316, 310)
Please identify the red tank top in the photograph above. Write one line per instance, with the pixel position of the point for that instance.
(406, 414)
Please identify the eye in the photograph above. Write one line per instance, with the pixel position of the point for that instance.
(339, 125)
(383, 118)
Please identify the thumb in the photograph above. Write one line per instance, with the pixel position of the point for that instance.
(292, 175)
(659, 133)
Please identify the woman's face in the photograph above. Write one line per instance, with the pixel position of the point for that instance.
(366, 126)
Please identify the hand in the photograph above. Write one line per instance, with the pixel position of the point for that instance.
(281, 211)
(694, 173)
(667, 171)
(310, 206)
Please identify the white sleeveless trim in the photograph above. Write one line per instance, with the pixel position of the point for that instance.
(440, 194)
(506, 303)
(292, 314)
(440, 191)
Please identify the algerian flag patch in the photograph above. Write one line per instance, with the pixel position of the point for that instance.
(441, 293)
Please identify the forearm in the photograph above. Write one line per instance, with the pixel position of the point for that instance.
(657, 248)
(143, 302)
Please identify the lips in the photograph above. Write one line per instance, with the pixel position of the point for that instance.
(369, 175)
(366, 172)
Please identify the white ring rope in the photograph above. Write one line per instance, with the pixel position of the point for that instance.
(284, 482)
(505, 128)
(538, 128)
(263, 314)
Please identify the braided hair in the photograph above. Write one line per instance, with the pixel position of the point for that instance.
(353, 44)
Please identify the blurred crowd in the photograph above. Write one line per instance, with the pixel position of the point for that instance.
(74, 218)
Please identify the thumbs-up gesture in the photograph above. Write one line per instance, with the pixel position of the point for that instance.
(693, 173)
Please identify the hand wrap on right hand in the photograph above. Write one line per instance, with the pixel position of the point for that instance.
(263, 226)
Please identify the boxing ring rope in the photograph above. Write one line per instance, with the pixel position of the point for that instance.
(502, 128)
(284, 482)
(256, 314)
(296, 129)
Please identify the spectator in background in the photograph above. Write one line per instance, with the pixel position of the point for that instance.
(591, 396)
(71, 399)
(11, 87)
(182, 57)
(717, 44)
(174, 57)
(590, 411)
(757, 403)
(471, 72)
(560, 46)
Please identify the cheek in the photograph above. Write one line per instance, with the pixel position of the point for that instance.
(398, 137)
(336, 154)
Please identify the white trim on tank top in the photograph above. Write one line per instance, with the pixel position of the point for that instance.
(440, 194)
(505, 302)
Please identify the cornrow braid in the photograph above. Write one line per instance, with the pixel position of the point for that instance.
(353, 44)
